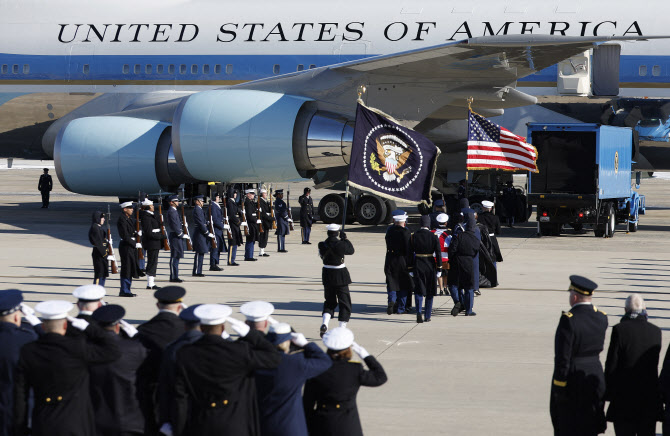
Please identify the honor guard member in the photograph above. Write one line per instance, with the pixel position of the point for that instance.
(151, 228)
(398, 260)
(215, 392)
(45, 186)
(128, 249)
(509, 200)
(155, 335)
(426, 269)
(56, 368)
(465, 248)
(89, 298)
(176, 236)
(578, 387)
(280, 389)
(281, 215)
(217, 223)
(98, 239)
(257, 314)
(166, 376)
(335, 277)
(444, 235)
(114, 384)
(13, 336)
(267, 220)
(330, 398)
(492, 223)
(306, 214)
(201, 236)
(235, 223)
(252, 224)
(438, 208)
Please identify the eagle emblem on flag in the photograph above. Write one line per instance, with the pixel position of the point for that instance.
(393, 154)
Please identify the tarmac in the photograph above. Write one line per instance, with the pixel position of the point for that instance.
(483, 375)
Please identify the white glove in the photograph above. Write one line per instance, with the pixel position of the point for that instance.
(244, 224)
(185, 236)
(78, 323)
(139, 233)
(130, 330)
(29, 315)
(132, 239)
(240, 328)
(360, 350)
(27, 310)
(439, 274)
(411, 274)
(272, 321)
(111, 258)
(156, 230)
(299, 339)
(111, 241)
(226, 227)
(290, 220)
(138, 245)
(211, 235)
(166, 429)
(225, 335)
(258, 221)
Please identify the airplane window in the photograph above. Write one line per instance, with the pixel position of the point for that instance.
(15, 69)
(126, 69)
(148, 68)
(301, 67)
(182, 69)
(171, 69)
(194, 69)
(5, 69)
(137, 69)
(217, 69)
(86, 69)
(643, 70)
(656, 70)
(312, 66)
(205, 69)
(229, 69)
(159, 69)
(26, 68)
(275, 69)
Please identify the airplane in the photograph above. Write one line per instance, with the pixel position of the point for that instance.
(150, 95)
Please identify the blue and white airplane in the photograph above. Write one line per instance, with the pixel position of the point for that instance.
(147, 95)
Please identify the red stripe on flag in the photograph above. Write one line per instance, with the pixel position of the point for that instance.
(501, 150)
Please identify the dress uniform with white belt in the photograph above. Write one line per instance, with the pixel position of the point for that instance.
(426, 267)
(151, 241)
(176, 236)
(578, 386)
(128, 249)
(398, 259)
(492, 223)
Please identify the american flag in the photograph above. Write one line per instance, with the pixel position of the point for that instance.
(491, 146)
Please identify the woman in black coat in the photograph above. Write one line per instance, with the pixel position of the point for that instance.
(330, 398)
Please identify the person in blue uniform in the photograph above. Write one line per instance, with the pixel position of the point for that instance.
(235, 222)
(267, 220)
(280, 389)
(128, 249)
(176, 236)
(151, 241)
(13, 336)
(201, 236)
(509, 201)
(330, 398)
(45, 185)
(438, 208)
(217, 223)
(97, 236)
(426, 267)
(252, 224)
(465, 248)
(397, 262)
(578, 388)
(281, 215)
(306, 214)
(113, 384)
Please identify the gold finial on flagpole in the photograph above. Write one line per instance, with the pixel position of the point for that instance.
(470, 100)
(361, 91)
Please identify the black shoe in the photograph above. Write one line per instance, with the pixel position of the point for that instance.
(233, 264)
(478, 292)
(250, 259)
(141, 274)
(456, 309)
(419, 318)
(282, 251)
(198, 275)
(127, 294)
(471, 314)
(265, 255)
(427, 320)
(323, 330)
(441, 292)
(154, 287)
(176, 280)
(215, 268)
(389, 309)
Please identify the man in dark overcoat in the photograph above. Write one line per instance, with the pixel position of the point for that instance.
(217, 223)
(235, 222)
(250, 209)
(201, 236)
(97, 236)
(281, 215)
(465, 248)
(306, 214)
(176, 236)
(128, 249)
(426, 267)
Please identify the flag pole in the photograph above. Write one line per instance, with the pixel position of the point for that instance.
(467, 187)
(361, 90)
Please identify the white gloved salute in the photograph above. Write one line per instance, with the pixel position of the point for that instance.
(29, 315)
(78, 323)
(299, 339)
(129, 329)
(360, 350)
(138, 245)
(240, 328)
(272, 321)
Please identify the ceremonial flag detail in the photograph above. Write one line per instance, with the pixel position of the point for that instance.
(390, 160)
(491, 146)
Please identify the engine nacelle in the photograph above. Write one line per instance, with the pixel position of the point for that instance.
(116, 156)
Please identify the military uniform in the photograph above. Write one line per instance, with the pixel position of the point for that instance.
(425, 266)
(199, 238)
(152, 243)
(396, 266)
(465, 249)
(128, 252)
(217, 223)
(306, 215)
(283, 228)
(45, 185)
(252, 221)
(578, 387)
(98, 239)
(492, 223)
(267, 219)
(234, 222)
(176, 237)
(335, 275)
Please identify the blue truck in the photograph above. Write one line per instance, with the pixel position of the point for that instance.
(584, 178)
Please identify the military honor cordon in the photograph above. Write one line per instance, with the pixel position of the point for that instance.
(390, 160)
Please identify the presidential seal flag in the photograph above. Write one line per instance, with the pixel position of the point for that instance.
(390, 160)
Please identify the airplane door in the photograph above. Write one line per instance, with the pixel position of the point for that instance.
(574, 75)
(606, 61)
(80, 68)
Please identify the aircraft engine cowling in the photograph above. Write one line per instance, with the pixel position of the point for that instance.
(116, 156)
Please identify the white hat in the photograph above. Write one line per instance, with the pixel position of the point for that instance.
(263, 190)
(54, 309)
(442, 218)
(338, 338)
(281, 328)
(333, 227)
(257, 310)
(487, 204)
(126, 204)
(212, 314)
(147, 202)
(250, 191)
(89, 292)
(399, 215)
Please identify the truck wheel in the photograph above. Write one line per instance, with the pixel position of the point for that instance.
(599, 231)
(370, 210)
(390, 207)
(632, 227)
(546, 229)
(331, 208)
(611, 222)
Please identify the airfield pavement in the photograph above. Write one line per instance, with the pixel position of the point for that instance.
(483, 375)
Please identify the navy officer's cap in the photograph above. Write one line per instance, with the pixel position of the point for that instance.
(188, 316)
(582, 285)
(10, 301)
(279, 191)
(170, 294)
(108, 315)
(439, 203)
(173, 198)
(198, 197)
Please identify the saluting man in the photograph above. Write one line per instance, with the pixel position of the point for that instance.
(398, 259)
(235, 223)
(176, 236)
(578, 388)
(217, 223)
(306, 214)
(98, 239)
(267, 220)
(151, 228)
(201, 236)
(128, 249)
(252, 222)
(281, 215)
